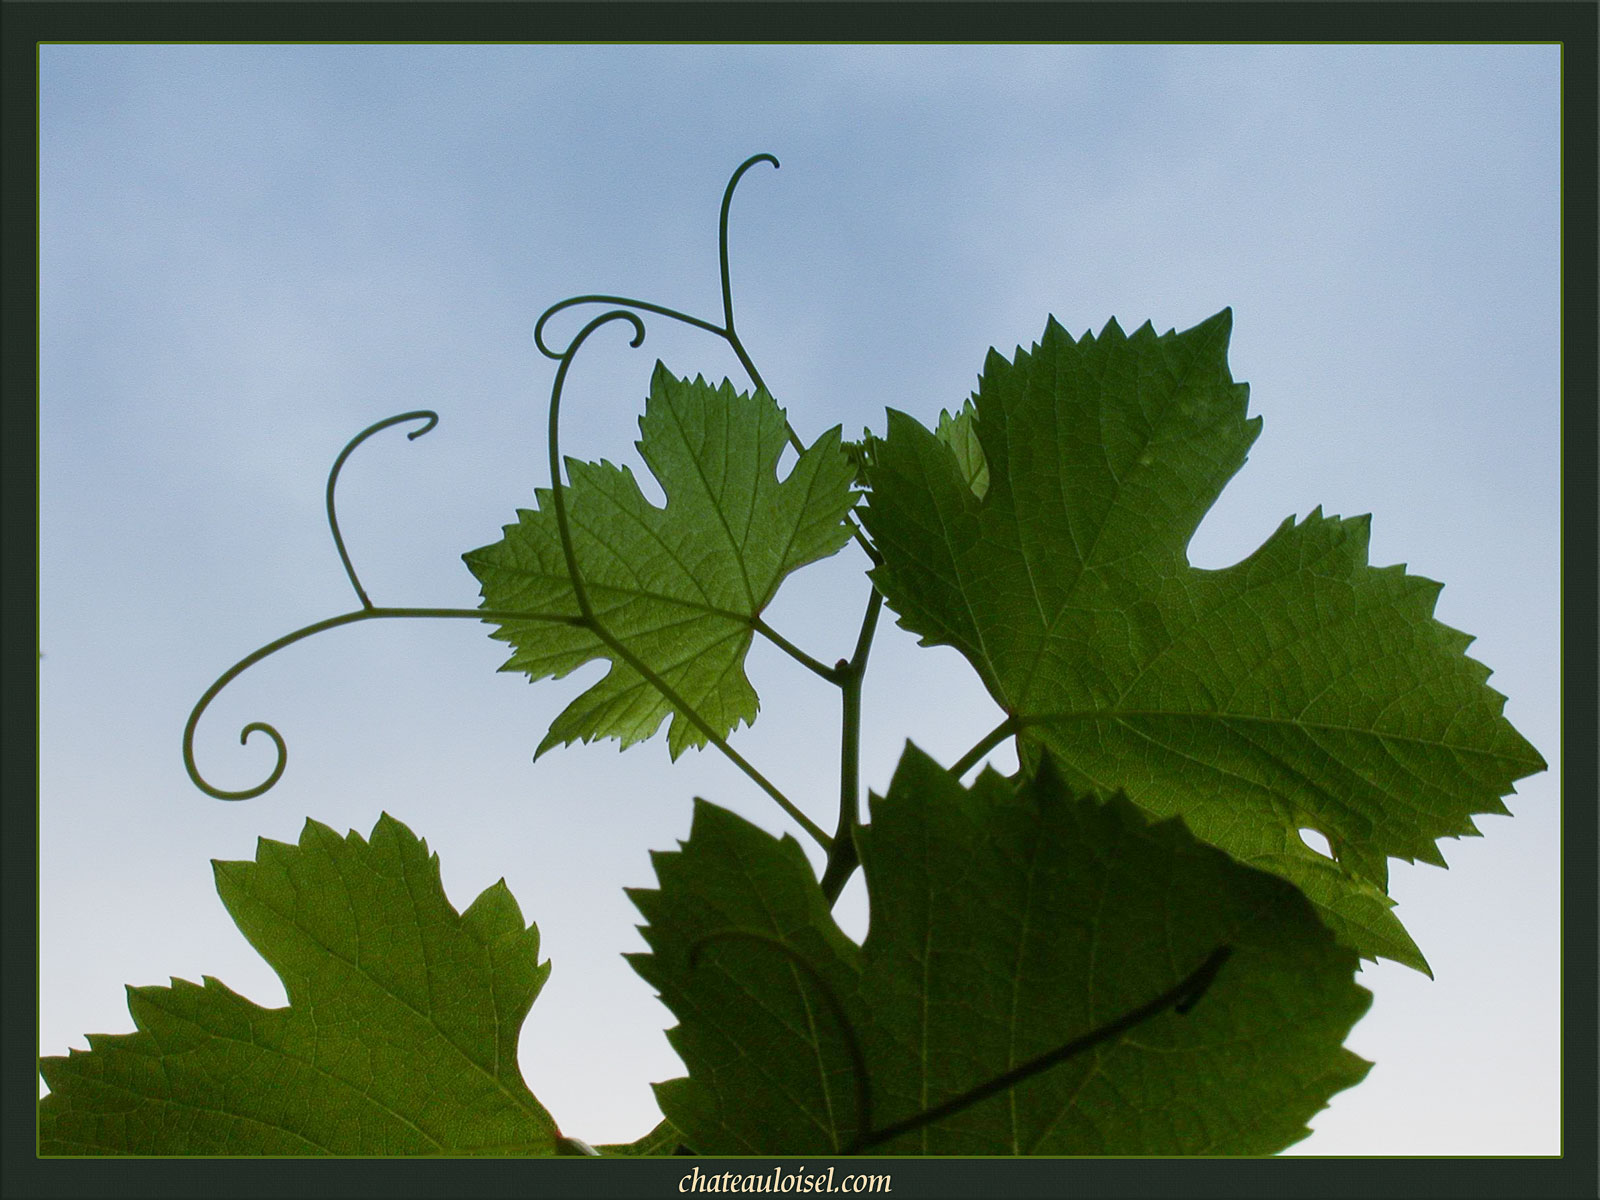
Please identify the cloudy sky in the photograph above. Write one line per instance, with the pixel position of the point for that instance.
(251, 253)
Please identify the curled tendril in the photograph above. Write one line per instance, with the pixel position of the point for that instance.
(1180, 998)
(722, 238)
(557, 490)
(281, 750)
(432, 419)
(725, 331)
(372, 613)
(642, 305)
(368, 611)
(228, 677)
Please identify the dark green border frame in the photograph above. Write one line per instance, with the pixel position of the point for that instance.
(1574, 24)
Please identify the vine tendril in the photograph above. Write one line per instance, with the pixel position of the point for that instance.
(722, 232)
(725, 331)
(368, 611)
(643, 305)
(1180, 998)
(432, 419)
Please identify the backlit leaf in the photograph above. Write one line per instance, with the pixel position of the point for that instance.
(679, 586)
(1005, 921)
(400, 1036)
(1300, 688)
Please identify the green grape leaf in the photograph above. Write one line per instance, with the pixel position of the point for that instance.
(682, 586)
(400, 1036)
(959, 431)
(1006, 920)
(1298, 689)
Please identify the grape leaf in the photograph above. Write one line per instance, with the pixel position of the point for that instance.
(959, 431)
(400, 1036)
(1300, 688)
(682, 586)
(1006, 920)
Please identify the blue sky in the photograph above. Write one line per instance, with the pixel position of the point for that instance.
(251, 253)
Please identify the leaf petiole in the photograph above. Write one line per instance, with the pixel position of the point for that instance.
(691, 714)
(990, 740)
(815, 666)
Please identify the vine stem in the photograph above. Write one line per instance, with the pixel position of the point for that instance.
(844, 857)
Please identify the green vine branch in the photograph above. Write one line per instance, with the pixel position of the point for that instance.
(843, 857)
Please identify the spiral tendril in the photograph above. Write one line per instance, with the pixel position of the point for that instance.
(367, 611)
(371, 613)
(643, 305)
(222, 681)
